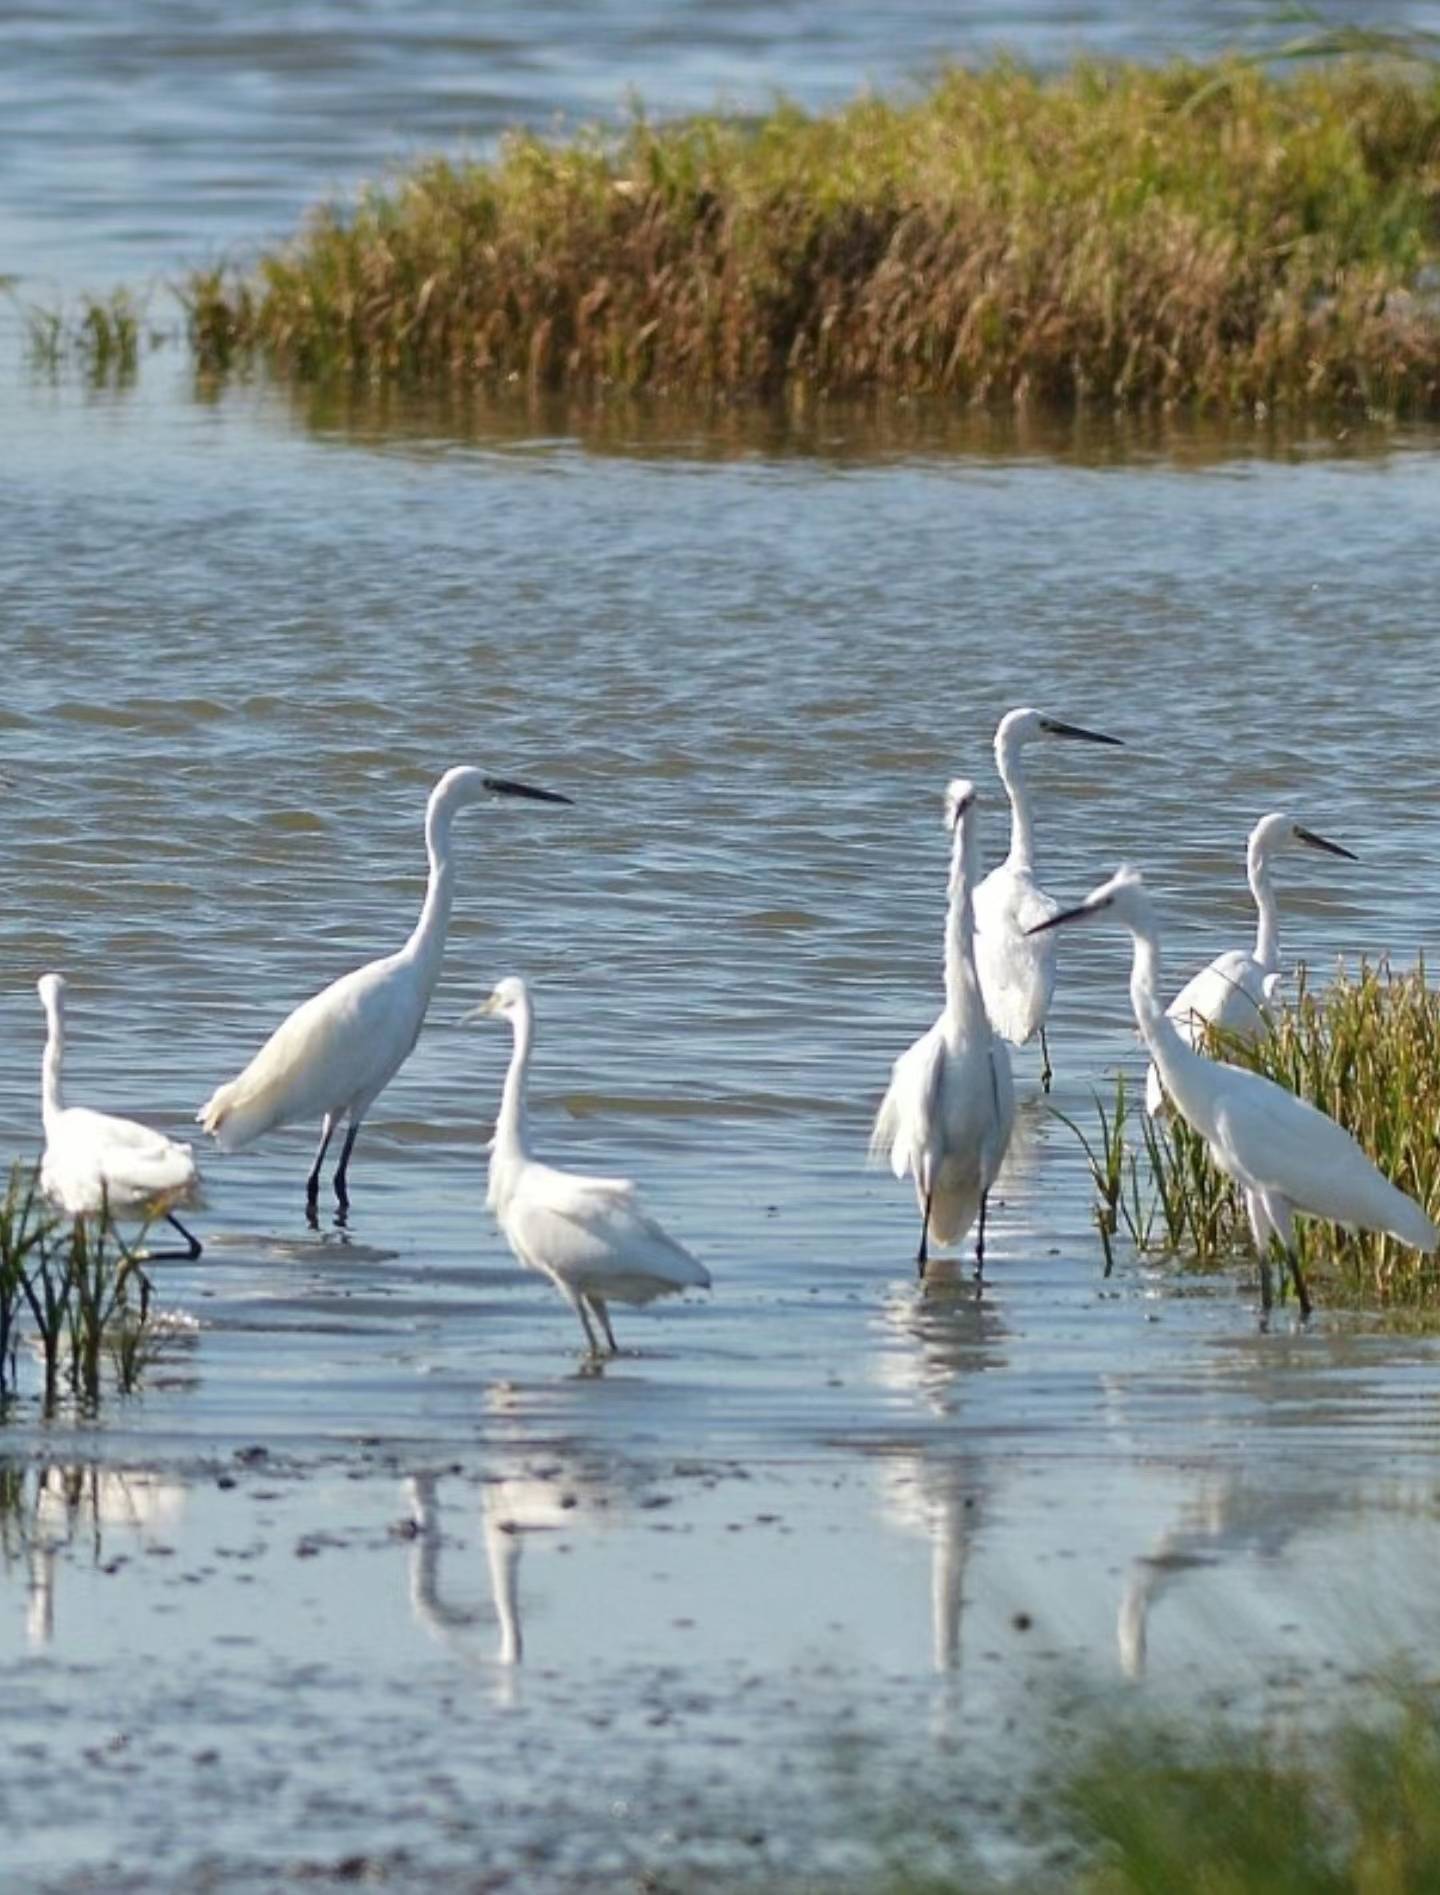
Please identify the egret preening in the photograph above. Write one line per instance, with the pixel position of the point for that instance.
(946, 1116)
(1285, 1155)
(1017, 971)
(1231, 993)
(92, 1159)
(587, 1234)
(337, 1052)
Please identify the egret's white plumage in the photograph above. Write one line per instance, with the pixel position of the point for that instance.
(1017, 967)
(589, 1235)
(946, 1115)
(1284, 1153)
(92, 1158)
(1233, 991)
(339, 1050)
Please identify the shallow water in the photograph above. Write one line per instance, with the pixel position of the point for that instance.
(243, 635)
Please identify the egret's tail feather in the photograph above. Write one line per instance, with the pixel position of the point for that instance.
(1412, 1226)
(951, 1215)
(233, 1115)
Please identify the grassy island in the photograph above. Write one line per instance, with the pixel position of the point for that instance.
(1212, 236)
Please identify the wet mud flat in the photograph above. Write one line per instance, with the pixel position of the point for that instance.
(714, 1618)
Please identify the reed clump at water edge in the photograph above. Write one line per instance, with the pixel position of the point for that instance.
(1365, 1049)
(1204, 235)
(73, 1291)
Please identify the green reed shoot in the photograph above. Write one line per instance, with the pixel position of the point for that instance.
(82, 1286)
(1366, 1050)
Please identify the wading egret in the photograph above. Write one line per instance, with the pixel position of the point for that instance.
(1017, 972)
(337, 1052)
(588, 1235)
(1285, 1155)
(92, 1159)
(946, 1116)
(1231, 993)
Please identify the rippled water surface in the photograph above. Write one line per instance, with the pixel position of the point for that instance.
(368, 1553)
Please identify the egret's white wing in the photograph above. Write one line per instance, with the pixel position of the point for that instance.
(1016, 969)
(904, 1130)
(1229, 993)
(1269, 1138)
(593, 1234)
(89, 1155)
(341, 1044)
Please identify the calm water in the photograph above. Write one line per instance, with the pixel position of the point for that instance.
(242, 637)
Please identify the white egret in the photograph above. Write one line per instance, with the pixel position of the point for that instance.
(589, 1235)
(335, 1054)
(93, 1159)
(1017, 972)
(946, 1116)
(1231, 993)
(1284, 1153)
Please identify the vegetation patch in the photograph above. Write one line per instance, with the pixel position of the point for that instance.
(1363, 1050)
(1205, 235)
(73, 1292)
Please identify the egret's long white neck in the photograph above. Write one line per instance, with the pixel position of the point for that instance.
(52, 1098)
(1017, 788)
(426, 946)
(511, 1142)
(1174, 1057)
(1267, 927)
(964, 1004)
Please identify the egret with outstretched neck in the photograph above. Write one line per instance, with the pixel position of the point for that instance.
(335, 1054)
(1017, 971)
(946, 1116)
(1231, 993)
(589, 1235)
(95, 1161)
(1284, 1153)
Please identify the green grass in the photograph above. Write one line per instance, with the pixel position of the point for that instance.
(1363, 1049)
(1211, 236)
(102, 334)
(73, 1291)
(1156, 1810)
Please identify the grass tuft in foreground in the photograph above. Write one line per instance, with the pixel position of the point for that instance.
(1116, 235)
(1157, 1810)
(72, 1289)
(103, 334)
(1366, 1050)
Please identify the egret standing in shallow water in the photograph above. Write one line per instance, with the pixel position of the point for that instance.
(1017, 972)
(1231, 993)
(587, 1234)
(1284, 1153)
(335, 1055)
(946, 1116)
(92, 1159)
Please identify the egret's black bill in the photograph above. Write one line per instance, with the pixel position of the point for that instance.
(1319, 842)
(1069, 914)
(507, 786)
(1054, 728)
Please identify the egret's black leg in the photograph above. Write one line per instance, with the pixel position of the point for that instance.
(1297, 1277)
(922, 1256)
(312, 1183)
(980, 1237)
(342, 1196)
(195, 1247)
(1046, 1071)
(598, 1305)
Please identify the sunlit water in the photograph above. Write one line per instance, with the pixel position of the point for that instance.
(243, 635)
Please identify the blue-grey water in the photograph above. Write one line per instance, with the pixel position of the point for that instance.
(270, 1609)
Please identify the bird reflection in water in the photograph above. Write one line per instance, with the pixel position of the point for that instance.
(544, 1497)
(49, 1511)
(933, 1483)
